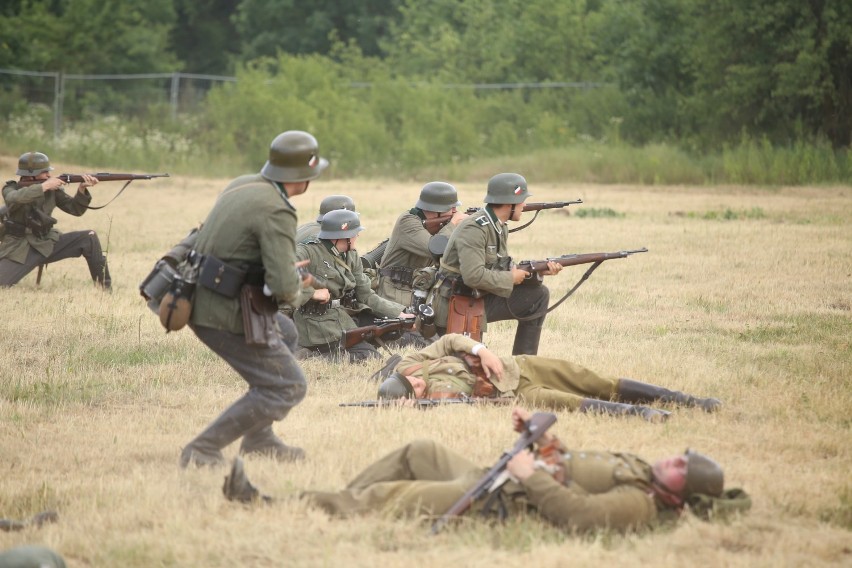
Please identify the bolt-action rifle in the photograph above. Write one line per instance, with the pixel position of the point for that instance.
(536, 267)
(424, 403)
(382, 330)
(534, 429)
(437, 223)
(77, 178)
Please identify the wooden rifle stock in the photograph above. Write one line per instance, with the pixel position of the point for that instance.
(535, 429)
(437, 223)
(424, 403)
(77, 178)
(376, 331)
(535, 266)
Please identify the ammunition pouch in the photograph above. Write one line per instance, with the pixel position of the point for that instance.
(453, 285)
(226, 279)
(14, 229)
(258, 315)
(401, 275)
(39, 222)
(314, 308)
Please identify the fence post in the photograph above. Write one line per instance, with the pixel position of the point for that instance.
(58, 94)
(173, 96)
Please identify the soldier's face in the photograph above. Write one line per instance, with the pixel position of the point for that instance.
(294, 188)
(419, 386)
(671, 473)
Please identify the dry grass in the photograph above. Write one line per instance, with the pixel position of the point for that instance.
(96, 401)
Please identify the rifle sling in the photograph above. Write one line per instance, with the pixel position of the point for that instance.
(562, 299)
(527, 224)
(113, 199)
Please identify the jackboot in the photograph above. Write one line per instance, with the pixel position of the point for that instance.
(527, 338)
(237, 487)
(264, 442)
(205, 449)
(629, 390)
(620, 409)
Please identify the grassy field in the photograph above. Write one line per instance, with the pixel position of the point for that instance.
(745, 295)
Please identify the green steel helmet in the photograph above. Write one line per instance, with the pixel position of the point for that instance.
(32, 164)
(703, 475)
(294, 156)
(340, 224)
(507, 188)
(396, 386)
(438, 196)
(333, 202)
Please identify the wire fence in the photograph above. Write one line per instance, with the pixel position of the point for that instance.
(71, 96)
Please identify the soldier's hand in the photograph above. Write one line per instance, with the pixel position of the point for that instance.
(520, 417)
(553, 268)
(322, 295)
(519, 275)
(88, 181)
(51, 184)
(458, 217)
(491, 363)
(522, 465)
(405, 315)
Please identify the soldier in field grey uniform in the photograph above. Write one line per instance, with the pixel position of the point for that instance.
(408, 247)
(30, 239)
(323, 315)
(575, 490)
(477, 258)
(253, 226)
(310, 230)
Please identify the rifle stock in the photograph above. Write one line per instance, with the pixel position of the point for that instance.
(536, 266)
(103, 176)
(535, 429)
(376, 331)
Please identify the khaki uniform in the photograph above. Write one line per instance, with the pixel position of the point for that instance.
(601, 489)
(320, 326)
(540, 381)
(478, 252)
(406, 251)
(21, 253)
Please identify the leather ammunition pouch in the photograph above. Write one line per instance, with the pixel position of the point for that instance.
(227, 279)
(14, 229)
(258, 315)
(314, 308)
(401, 275)
(39, 222)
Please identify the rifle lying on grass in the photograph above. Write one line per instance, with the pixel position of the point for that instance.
(536, 267)
(78, 178)
(534, 429)
(424, 403)
(382, 330)
(437, 223)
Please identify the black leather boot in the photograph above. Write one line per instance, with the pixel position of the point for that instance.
(237, 487)
(632, 391)
(264, 442)
(621, 409)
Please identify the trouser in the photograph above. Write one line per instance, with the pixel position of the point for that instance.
(422, 477)
(560, 384)
(526, 301)
(276, 384)
(69, 245)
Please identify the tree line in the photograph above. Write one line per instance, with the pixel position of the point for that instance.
(701, 74)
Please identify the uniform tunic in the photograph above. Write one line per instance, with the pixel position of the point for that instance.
(20, 201)
(541, 381)
(342, 272)
(252, 222)
(408, 248)
(601, 489)
(308, 231)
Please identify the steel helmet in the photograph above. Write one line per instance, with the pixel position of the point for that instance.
(333, 202)
(396, 386)
(340, 224)
(294, 156)
(507, 188)
(32, 164)
(703, 475)
(438, 196)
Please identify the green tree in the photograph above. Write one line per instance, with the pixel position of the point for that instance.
(205, 36)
